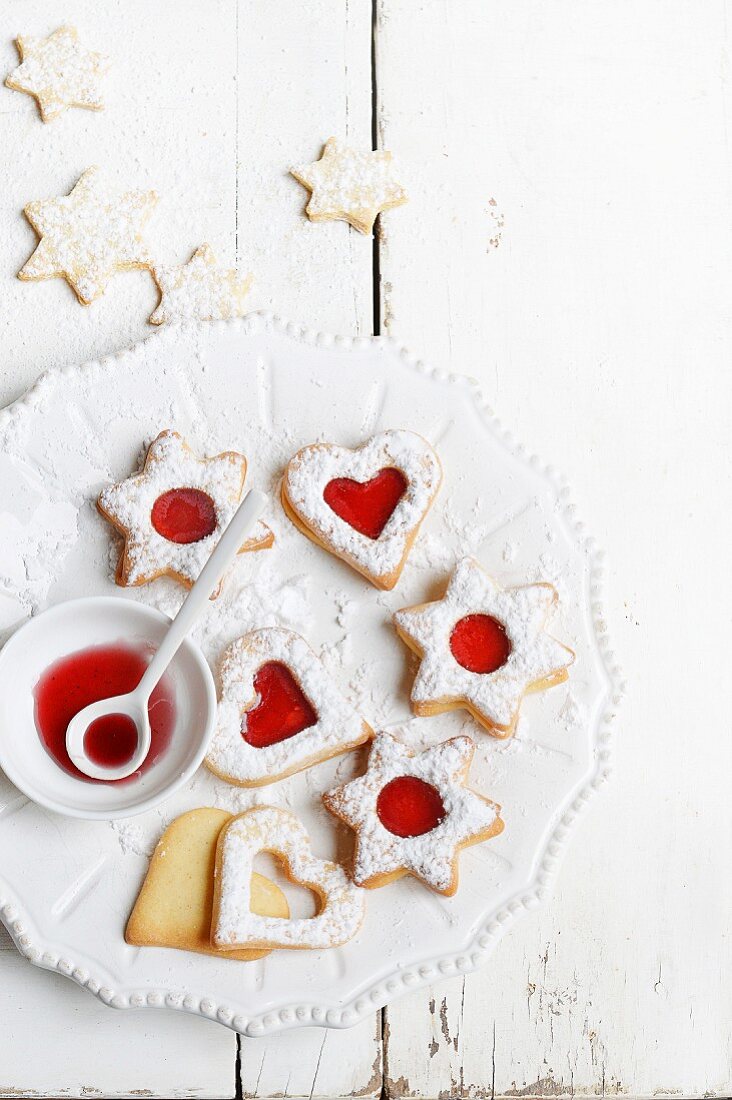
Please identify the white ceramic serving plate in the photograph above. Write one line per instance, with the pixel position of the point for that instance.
(80, 624)
(266, 388)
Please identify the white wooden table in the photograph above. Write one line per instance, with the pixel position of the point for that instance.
(568, 242)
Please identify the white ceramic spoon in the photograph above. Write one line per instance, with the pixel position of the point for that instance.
(134, 704)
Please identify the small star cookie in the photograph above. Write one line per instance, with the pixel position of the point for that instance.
(351, 186)
(199, 290)
(483, 647)
(59, 73)
(173, 514)
(412, 813)
(88, 235)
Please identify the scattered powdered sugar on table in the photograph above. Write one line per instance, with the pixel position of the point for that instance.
(132, 839)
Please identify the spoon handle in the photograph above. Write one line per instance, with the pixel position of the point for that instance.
(228, 547)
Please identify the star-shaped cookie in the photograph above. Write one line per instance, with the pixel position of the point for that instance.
(349, 185)
(173, 514)
(412, 813)
(88, 235)
(59, 72)
(483, 648)
(200, 290)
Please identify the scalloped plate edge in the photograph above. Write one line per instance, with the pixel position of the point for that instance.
(48, 956)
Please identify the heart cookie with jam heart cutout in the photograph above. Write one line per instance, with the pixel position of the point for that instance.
(280, 712)
(236, 927)
(365, 505)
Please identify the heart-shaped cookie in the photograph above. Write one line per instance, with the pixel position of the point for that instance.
(364, 505)
(279, 712)
(236, 927)
(175, 904)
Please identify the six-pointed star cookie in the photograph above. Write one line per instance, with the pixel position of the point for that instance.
(412, 813)
(173, 514)
(88, 235)
(348, 185)
(200, 290)
(483, 647)
(59, 72)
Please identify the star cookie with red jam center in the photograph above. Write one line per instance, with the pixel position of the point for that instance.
(412, 813)
(173, 513)
(483, 648)
(364, 505)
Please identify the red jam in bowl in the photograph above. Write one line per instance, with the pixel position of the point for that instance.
(84, 677)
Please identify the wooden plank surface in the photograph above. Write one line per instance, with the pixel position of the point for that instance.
(567, 242)
(210, 105)
(591, 138)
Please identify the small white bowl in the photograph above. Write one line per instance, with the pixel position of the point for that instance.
(67, 628)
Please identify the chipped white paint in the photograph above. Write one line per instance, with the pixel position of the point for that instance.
(592, 303)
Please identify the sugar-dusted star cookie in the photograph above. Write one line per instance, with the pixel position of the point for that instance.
(88, 235)
(59, 72)
(200, 290)
(483, 648)
(349, 185)
(412, 813)
(173, 514)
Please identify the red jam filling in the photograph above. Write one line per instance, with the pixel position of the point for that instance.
(480, 643)
(366, 505)
(86, 676)
(282, 711)
(111, 740)
(407, 806)
(184, 515)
